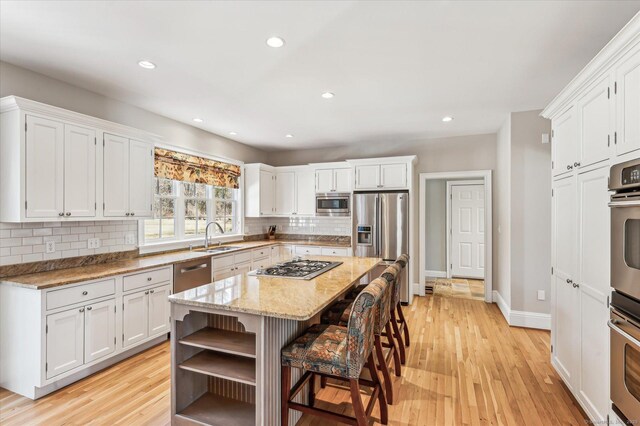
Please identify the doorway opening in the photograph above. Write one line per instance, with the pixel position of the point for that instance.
(456, 234)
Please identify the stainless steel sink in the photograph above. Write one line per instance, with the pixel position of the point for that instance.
(222, 249)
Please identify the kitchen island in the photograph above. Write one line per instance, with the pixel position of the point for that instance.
(226, 339)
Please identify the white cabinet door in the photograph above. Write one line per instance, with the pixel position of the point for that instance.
(393, 175)
(285, 193)
(342, 180)
(65, 341)
(565, 307)
(267, 193)
(595, 114)
(628, 104)
(564, 143)
(79, 171)
(308, 250)
(367, 177)
(135, 317)
(159, 310)
(221, 274)
(275, 254)
(242, 268)
(44, 180)
(116, 175)
(335, 251)
(261, 263)
(324, 180)
(305, 197)
(286, 253)
(140, 178)
(593, 281)
(99, 330)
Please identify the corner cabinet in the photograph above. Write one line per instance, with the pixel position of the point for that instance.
(595, 122)
(59, 165)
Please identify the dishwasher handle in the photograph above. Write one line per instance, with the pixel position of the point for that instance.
(193, 268)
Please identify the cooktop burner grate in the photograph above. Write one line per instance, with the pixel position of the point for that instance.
(298, 268)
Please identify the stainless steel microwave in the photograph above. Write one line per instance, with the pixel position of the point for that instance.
(333, 204)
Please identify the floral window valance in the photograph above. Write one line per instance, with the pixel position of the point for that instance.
(190, 168)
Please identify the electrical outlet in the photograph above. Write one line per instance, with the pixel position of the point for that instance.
(49, 246)
(541, 295)
(129, 238)
(93, 243)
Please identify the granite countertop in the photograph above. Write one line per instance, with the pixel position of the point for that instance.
(44, 280)
(277, 297)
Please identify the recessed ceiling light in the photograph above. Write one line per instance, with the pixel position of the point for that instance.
(275, 42)
(198, 120)
(328, 95)
(147, 64)
(447, 119)
(232, 133)
(289, 135)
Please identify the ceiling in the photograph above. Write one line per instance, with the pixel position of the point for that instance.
(396, 68)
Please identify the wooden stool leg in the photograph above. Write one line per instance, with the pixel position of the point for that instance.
(398, 336)
(356, 401)
(385, 369)
(285, 384)
(312, 389)
(396, 358)
(384, 414)
(406, 326)
(323, 382)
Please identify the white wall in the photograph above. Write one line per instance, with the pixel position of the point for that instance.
(436, 225)
(502, 227)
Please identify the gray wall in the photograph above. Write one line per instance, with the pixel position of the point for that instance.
(461, 153)
(502, 227)
(436, 225)
(38, 87)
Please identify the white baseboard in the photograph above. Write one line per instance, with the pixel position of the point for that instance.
(522, 318)
(435, 274)
(416, 289)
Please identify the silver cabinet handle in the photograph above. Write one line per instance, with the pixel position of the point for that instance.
(84, 293)
(61, 214)
(576, 285)
(68, 214)
(576, 164)
(88, 308)
(569, 167)
(569, 280)
(149, 278)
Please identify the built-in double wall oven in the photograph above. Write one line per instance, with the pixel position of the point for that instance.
(625, 300)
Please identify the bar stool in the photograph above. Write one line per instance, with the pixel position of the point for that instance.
(337, 352)
(403, 327)
(339, 313)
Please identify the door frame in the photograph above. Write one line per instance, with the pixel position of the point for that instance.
(486, 177)
(451, 183)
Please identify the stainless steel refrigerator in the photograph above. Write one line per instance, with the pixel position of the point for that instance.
(381, 228)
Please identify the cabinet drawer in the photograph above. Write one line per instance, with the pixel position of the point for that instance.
(261, 253)
(307, 250)
(146, 278)
(244, 256)
(79, 294)
(222, 262)
(335, 251)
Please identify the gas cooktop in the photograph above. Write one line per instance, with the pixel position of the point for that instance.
(298, 268)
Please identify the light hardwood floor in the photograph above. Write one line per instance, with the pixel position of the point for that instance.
(465, 367)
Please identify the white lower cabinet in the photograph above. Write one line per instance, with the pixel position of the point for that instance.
(145, 314)
(99, 330)
(65, 341)
(159, 310)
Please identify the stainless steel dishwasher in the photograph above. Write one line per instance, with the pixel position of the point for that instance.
(190, 274)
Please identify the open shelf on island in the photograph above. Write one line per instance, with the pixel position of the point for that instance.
(226, 366)
(217, 410)
(232, 342)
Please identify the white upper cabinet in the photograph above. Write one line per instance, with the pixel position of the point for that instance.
(333, 180)
(44, 177)
(259, 190)
(285, 193)
(305, 197)
(381, 176)
(267, 193)
(564, 142)
(79, 171)
(393, 175)
(140, 178)
(368, 176)
(628, 103)
(595, 116)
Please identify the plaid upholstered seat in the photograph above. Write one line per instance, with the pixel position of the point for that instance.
(321, 349)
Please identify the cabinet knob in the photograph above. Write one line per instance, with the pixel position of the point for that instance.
(127, 214)
(233, 269)
(84, 293)
(569, 167)
(576, 164)
(61, 214)
(81, 310)
(148, 278)
(68, 214)
(88, 308)
(576, 285)
(133, 214)
(569, 280)
(151, 291)
(146, 292)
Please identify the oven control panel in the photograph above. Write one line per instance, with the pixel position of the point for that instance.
(631, 175)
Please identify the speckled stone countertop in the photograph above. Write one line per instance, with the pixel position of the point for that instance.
(44, 280)
(278, 297)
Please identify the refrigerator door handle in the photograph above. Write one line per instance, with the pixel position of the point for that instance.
(378, 227)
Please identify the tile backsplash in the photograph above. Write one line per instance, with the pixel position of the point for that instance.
(299, 225)
(23, 243)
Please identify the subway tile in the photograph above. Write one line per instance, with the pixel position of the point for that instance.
(94, 229)
(21, 250)
(32, 225)
(61, 231)
(109, 228)
(35, 257)
(84, 237)
(69, 238)
(79, 245)
(51, 224)
(5, 233)
(39, 248)
(79, 230)
(41, 232)
(55, 238)
(31, 241)
(21, 233)
(70, 253)
(101, 250)
(10, 260)
(63, 246)
(86, 252)
(8, 225)
(5, 251)
(10, 242)
(54, 255)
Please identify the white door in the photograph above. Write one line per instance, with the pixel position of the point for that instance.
(564, 142)
(324, 180)
(593, 281)
(99, 330)
(367, 177)
(467, 231)
(305, 197)
(140, 178)
(393, 175)
(79, 171)
(44, 168)
(285, 193)
(595, 114)
(267, 193)
(342, 180)
(159, 310)
(116, 175)
(65, 341)
(628, 104)
(135, 317)
(565, 301)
